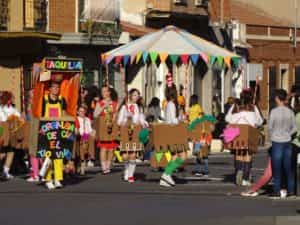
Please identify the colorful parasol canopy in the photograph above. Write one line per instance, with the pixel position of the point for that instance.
(173, 43)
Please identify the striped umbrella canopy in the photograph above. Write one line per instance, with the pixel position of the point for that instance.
(173, 43)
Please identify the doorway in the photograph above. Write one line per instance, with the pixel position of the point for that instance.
(272, 86)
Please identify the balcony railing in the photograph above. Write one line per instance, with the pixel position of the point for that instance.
(4, 14)
(91, 27)
(35, 15)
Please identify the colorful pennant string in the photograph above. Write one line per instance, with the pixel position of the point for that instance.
(174, 58)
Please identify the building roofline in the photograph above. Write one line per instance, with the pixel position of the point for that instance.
(29, 34)
(84, 39)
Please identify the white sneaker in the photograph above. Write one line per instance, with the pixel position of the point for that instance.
(163, 183)
(168, 179)
(8, 176)
(57, 184)
(90, 164)
(126, 175)
(50, 185)
(246, 183)
(33, 179)
(283, 193)
(249, 194)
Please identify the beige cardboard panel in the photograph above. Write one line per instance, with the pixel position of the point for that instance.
(105, 132)
(4, 139)
(11, 81)
(200, 129)
(176, 135)
(129, 139)
(248, 139)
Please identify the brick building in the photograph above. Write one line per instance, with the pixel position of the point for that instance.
(62, 16)
(88, 28)
(23, 41)
(139, 17)
(269, 29)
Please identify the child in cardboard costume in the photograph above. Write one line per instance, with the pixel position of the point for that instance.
(59, 100)
(202, 141)
(130, 120)
(86, 137)
(171, 118)
(245, 113)
(7, 112)
(54, 106)
(106, 109)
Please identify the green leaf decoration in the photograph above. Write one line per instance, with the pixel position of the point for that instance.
(208, 118)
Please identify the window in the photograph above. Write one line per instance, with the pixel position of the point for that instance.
(297, 76)
(180, 2)
(35, 14)
(98, 18)
(4, 4)
(272, 85)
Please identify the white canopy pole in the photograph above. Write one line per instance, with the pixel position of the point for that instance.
(222, 89)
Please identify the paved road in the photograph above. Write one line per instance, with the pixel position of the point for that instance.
(97, 199)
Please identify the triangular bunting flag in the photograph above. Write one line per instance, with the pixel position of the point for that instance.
(163, 57)
(126, 59)
(118, 59)
(138, 57)
(168, 156)
(204, 57)
(195, 58)
(145, 56)
(174, 58)
(227, 61)
(213, 59)
(235, 60)
(158, 156)
(220, 60)
(108, 59)
(132, 59)
(185, 59)
(153, 56)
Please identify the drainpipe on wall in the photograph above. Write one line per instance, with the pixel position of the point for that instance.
(296, 18)
(221, 11)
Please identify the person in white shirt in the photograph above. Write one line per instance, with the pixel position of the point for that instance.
(130, 111)
(171, 117)
(248, 116)
(244, 112)
(7, 109)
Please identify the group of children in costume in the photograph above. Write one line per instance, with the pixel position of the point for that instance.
(130, 111)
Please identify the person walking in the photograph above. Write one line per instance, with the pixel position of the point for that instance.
(282, 125)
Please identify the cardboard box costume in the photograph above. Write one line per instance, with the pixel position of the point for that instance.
(167, 140)
(202, 133)
(129, 138)
(4, 134)
(107, 130)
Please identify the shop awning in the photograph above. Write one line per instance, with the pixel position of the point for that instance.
(170, 42)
